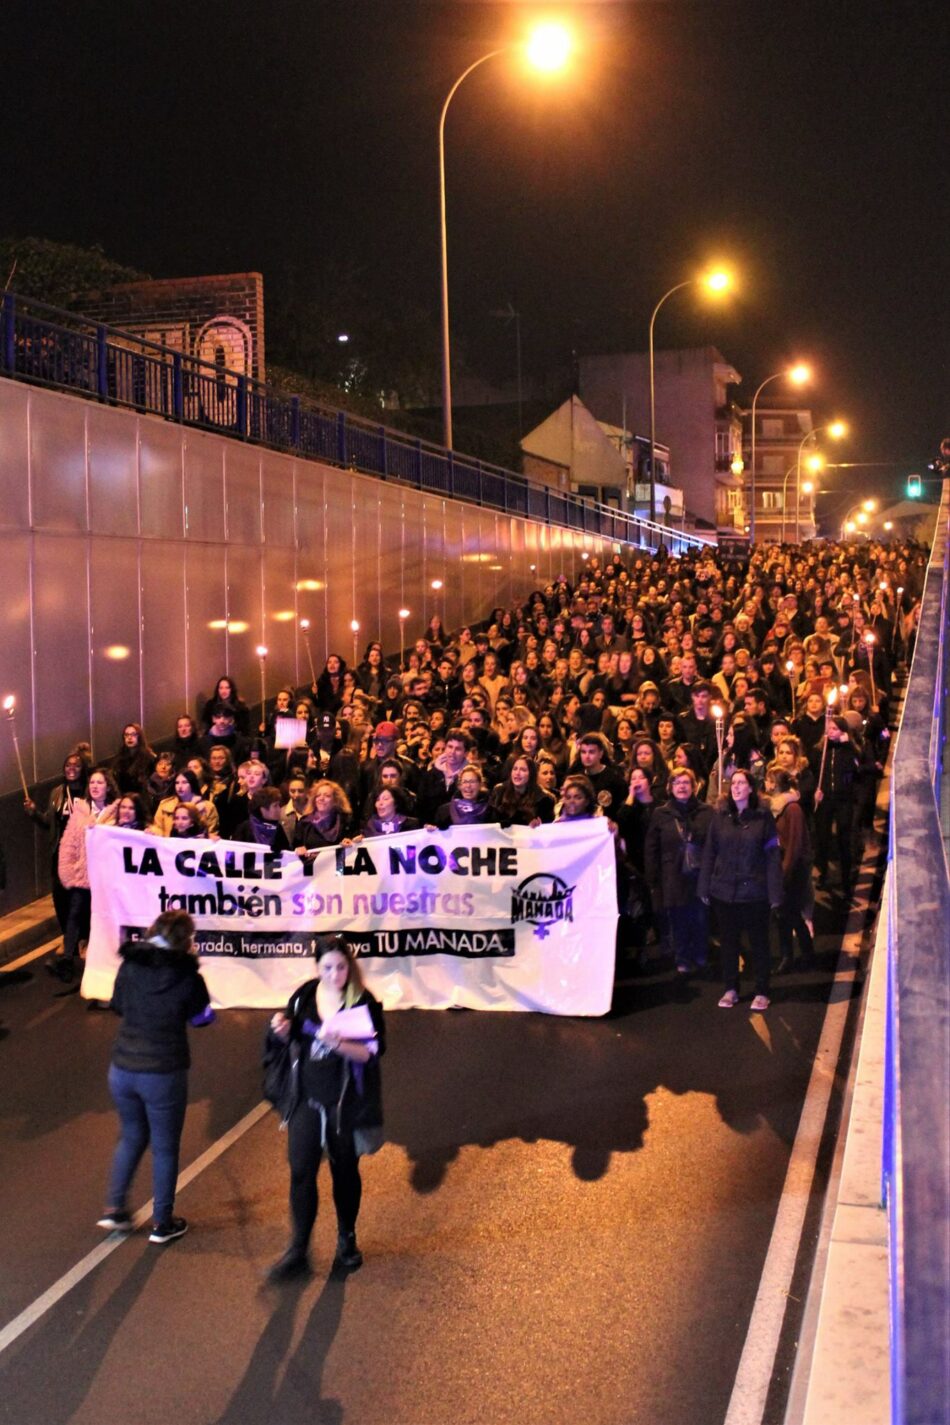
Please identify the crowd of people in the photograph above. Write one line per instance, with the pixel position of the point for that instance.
(729, 719)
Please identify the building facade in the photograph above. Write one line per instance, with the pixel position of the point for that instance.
(696, 419)
(783, 510)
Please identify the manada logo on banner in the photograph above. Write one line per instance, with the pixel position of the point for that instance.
(542, 900)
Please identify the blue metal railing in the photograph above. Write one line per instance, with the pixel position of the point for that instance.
(52, 347)
(916, 1166)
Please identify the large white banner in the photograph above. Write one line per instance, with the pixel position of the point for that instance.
(474, 917)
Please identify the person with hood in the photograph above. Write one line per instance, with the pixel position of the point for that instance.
(157, 992)
(741, 876)
(672, 855)
(331, 1100)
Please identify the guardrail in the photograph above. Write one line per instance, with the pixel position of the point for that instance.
(53, 347)
(916, 1166)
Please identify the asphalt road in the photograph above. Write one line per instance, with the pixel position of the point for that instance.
(568, 1221)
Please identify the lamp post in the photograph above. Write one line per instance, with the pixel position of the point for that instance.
(547, 49)
(715, 282)
(837, 430)
(798, 376)
(857, 515)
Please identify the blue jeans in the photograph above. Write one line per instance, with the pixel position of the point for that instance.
(151, 1108)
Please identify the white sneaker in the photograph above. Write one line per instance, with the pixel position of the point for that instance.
(730, 999)
(760, 1003)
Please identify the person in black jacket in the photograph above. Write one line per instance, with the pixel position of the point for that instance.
(674, 846)
(332, 1102)
(263, 825)
(158, 990)
(741, 876)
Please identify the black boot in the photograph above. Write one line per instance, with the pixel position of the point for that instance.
(294, 1263)
(348, 1255)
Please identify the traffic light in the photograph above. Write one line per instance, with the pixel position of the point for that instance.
(913, 487)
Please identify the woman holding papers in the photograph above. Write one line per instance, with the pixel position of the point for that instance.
(333, 1030)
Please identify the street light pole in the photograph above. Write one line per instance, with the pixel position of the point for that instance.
(798, 375)
(446, 341)
(678, 288)
(715, 282)
(546, 49)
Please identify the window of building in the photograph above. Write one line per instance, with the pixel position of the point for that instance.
(771, 500)
(773, 428)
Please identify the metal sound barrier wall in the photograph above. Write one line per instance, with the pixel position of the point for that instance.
(141, 560)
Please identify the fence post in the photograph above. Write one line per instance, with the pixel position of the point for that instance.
(481, 484)
(341, 437)
(384, 453)
(295, 422)
(419, 463)
(450, 471)
(241, 406)
(102, 364)
(9, 331)
(178, 388)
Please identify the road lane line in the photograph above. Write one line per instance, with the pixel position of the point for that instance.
(32, 1313)
(757, 1362)
(29, 956)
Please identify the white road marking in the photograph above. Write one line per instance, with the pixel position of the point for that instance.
(29, 956)
(757, 1363)
(32, 1313)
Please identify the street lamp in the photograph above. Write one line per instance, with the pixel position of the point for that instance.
(837, 430)
(798, 375)
(716, 282)
(547, 49)
(815, 464)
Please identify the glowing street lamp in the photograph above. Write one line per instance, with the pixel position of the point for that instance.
(546, 50)
(837, 429)
(716, 282)
(798, 375)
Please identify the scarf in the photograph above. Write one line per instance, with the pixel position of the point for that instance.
(462, 813)
(264, 832)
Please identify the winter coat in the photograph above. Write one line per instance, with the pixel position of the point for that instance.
(71, 864)
(669, 884)
(742, 860)
(792, 831)
(157, 991)
(360, 1104)
(165, 813)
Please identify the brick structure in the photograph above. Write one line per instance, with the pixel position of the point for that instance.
(218, 319)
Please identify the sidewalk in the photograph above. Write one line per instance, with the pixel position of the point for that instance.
(25, 928)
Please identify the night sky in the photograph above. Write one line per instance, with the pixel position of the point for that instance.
(806, 142)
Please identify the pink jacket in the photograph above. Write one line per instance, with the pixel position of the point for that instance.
(72, 867)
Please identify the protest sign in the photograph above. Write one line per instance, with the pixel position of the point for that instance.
(474, 917)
